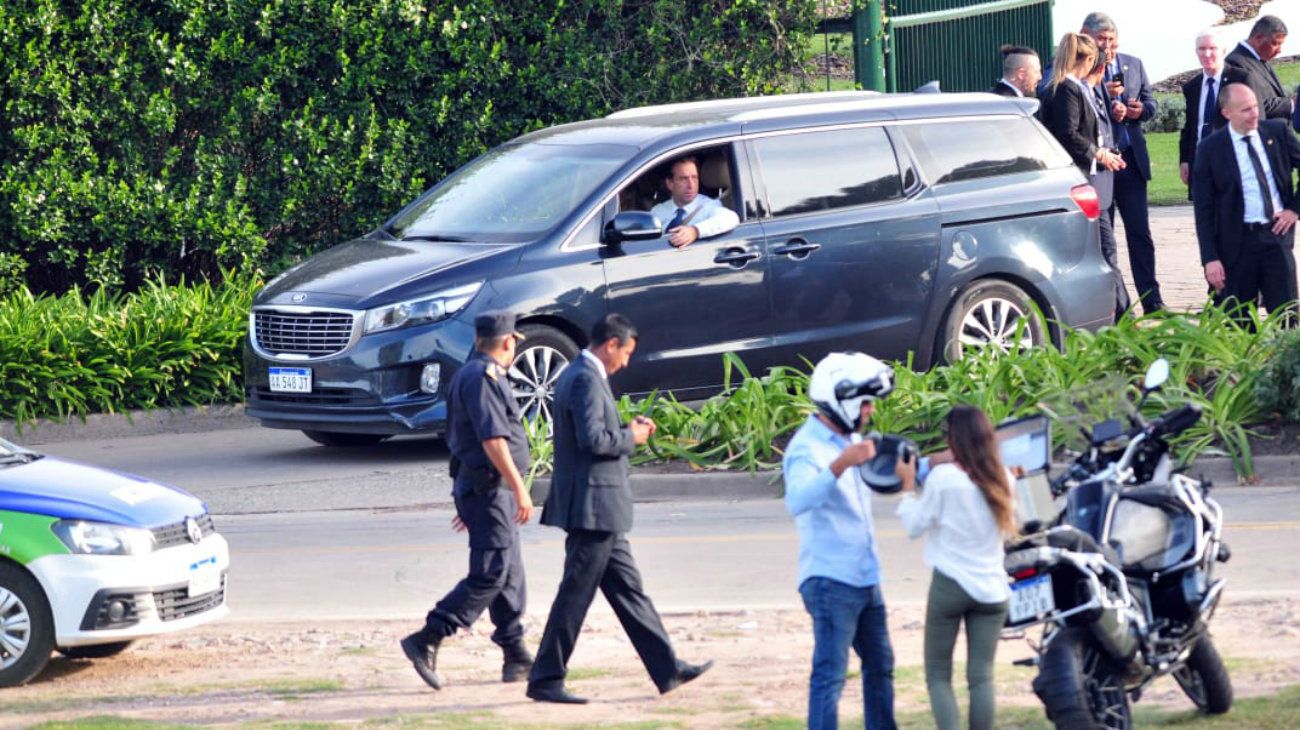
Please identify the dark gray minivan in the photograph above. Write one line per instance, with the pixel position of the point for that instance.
(919, 224)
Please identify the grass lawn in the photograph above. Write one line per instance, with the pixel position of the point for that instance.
(1166, 187)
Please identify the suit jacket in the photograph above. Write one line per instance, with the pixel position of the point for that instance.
(1002, 89)
(1187, 138)
(1241, 67)
(1073, 116)
(589, 485)
(1136, 86)
(1217, 193)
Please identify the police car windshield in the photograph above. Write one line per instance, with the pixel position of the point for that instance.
(512, 194)
(14, 454)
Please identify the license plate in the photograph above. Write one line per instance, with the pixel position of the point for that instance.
(1031, 598)
(205, 577)
(290, 380)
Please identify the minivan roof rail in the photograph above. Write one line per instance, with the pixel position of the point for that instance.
(779, 100)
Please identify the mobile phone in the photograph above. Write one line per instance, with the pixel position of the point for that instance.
(1117, 78)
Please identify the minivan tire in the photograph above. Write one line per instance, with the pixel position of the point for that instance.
(31, 602)
(331, 438)
(543, 354)
(988, 312)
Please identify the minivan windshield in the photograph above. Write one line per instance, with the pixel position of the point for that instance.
(513, 193)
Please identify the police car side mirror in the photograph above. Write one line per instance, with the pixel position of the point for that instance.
(632, 225)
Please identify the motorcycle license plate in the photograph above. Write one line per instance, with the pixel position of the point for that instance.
(290, 380)
(1031, 598)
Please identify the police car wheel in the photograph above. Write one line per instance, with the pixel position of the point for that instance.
(95, 651)
(330, 438)
(26, 626)
(542, 355)
(991, 313)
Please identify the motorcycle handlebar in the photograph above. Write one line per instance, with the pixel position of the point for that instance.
(1176, 421)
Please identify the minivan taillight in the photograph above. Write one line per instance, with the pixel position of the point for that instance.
(1085, 196)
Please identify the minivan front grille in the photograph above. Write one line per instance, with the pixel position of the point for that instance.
(318, 397)
(305, 334)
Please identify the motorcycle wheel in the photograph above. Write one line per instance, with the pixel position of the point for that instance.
(1079, 686)
(1205, 680)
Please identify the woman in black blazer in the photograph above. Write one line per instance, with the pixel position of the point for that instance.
(1067, 109)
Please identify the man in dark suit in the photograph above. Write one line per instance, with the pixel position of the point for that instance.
(1246, 206)
(590, 499)
(1248, 64)
(1201, 94)
(1021, 72)
(1129, 102)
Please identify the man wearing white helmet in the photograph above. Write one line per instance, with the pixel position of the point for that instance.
(839, 571)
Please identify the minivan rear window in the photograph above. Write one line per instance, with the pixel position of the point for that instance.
(513, 193)
(838, 168)
(977, 148)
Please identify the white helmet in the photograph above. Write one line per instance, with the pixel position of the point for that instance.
(842, 381)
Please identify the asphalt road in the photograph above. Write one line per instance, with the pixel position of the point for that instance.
(320, 533)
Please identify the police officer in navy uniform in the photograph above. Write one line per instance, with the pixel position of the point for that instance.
(489, 453)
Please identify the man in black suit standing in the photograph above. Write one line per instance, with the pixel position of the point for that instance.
(1129, 102)
(590, 499)
(1246, 207)
(1248, 64)
(1201, 94)
(1021, 72)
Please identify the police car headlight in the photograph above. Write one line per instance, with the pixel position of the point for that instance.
(421, 311)
(100, 538)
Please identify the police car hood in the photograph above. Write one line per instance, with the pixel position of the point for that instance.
(68, 490)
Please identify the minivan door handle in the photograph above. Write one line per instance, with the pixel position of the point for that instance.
(736, 257)
(797, 248)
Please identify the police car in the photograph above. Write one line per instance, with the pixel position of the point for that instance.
(91, 560)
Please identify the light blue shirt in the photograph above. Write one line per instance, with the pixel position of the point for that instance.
(1251, 196)
(713, 218)
(837, 538)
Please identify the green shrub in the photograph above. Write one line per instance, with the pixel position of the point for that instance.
(163, 346)
(1279, 385)
(139, 136)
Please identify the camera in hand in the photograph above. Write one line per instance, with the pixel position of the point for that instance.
(878, 473)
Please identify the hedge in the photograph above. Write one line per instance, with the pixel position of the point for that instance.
(140, 137)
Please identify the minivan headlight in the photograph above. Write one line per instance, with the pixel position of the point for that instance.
(83, 537)
(423, 310)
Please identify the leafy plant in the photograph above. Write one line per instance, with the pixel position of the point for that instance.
(1278, 388)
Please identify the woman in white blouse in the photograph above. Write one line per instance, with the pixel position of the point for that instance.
(965, 510)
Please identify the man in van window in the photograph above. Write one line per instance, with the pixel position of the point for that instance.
(690, 216)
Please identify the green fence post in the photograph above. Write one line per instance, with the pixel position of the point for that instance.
(868, 45)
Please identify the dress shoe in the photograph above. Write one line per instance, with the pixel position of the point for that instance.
(424, 657)
(518, 662)
(558, 695)
(685, 674)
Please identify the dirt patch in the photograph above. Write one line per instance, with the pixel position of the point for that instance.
(350, 672)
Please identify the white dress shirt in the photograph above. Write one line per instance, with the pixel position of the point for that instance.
(1250, 193)
(713, 218)
(962, 538)
(1201, 121)
(600, 366)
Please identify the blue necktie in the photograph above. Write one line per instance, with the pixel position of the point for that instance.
(1211, 107)
(676, 221)
(1121, 128)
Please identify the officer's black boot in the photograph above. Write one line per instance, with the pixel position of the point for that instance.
(518, 662)
(422, 649)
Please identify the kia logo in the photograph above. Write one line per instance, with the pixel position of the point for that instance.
(297, 298)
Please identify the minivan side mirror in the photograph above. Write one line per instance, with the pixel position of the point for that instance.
(632, 225)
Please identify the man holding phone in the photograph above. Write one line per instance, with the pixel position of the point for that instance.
(1130, 102)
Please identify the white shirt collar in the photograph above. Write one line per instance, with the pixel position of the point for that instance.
(1238, 136)
(1011, 86)
(1250, 49)
(600, 366)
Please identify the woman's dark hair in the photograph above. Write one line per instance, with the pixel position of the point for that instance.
(974, 446)
(612, 325)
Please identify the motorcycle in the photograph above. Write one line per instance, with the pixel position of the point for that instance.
(1123, 580)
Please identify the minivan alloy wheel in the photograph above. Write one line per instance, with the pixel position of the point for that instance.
(542, 356)
(992, 313)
